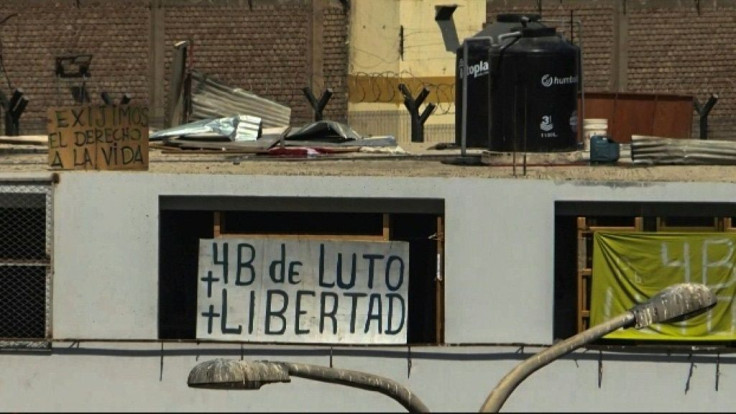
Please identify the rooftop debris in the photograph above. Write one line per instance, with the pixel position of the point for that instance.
(40, 140)
(324, 131)
(663, 151)
(204, 121)
(244, 134)
(331, 133)
(260, 145)
(213, 99)
(233, 128)
(534, 158)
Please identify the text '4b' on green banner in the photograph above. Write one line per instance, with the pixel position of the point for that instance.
(629, 268)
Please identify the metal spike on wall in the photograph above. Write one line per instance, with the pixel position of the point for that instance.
(412, 105)
(317, 106)
(408, 361)
(161, 366)
(690, 373)
(718, 369)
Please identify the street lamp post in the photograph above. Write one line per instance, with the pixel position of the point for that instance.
(677, 302)
(251, 375)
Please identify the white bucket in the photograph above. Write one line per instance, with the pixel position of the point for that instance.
(593, 126)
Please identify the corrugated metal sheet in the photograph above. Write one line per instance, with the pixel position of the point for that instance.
(656, 150)
(212, 99)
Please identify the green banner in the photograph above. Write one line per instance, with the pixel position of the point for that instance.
(629, 268)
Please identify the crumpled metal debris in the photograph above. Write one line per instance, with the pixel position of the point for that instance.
(234, 128)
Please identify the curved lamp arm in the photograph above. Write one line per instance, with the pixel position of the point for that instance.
(357, 379)
(231, 374)
(674, 303)
(510, 381)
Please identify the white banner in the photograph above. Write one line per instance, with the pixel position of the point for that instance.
(304, 291)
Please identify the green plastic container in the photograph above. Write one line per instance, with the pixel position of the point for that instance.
(603, 150)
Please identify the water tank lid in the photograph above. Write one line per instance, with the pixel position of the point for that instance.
(516, 18)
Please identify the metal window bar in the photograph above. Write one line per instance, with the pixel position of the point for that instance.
(25, 265)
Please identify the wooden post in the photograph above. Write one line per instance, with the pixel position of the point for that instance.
(440, 283)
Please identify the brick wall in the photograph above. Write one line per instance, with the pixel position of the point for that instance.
(262, 46)
(114, 32)
(260, 49)
(685, 52)
(335, 57)
(668, 47)
(597, 32)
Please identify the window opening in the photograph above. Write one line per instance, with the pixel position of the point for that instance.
(577, 222)
(182, 225)
(25, 265)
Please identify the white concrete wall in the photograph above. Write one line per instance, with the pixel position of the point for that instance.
(106, 248)
(499, 238)
(104, 377)
(499, 290)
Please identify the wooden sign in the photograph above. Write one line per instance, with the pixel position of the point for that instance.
(98, 137)
(303, 291)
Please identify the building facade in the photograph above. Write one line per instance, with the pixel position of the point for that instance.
(114, 326)
(102, 290)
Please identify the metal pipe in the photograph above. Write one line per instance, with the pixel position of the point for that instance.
(516, 35)
(674, 303)
(232, 374)
(464, 125)
(507, 35)
(510, 381)
(703, 111)
(362, 380)
(579, 23)
(465, 71)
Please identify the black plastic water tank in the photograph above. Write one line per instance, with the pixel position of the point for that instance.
(534, 93)
(479, 95)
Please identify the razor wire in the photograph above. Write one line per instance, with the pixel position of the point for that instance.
(370, 87)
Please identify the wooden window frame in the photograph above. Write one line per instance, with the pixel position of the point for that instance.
(389, 210)
(586, 228)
